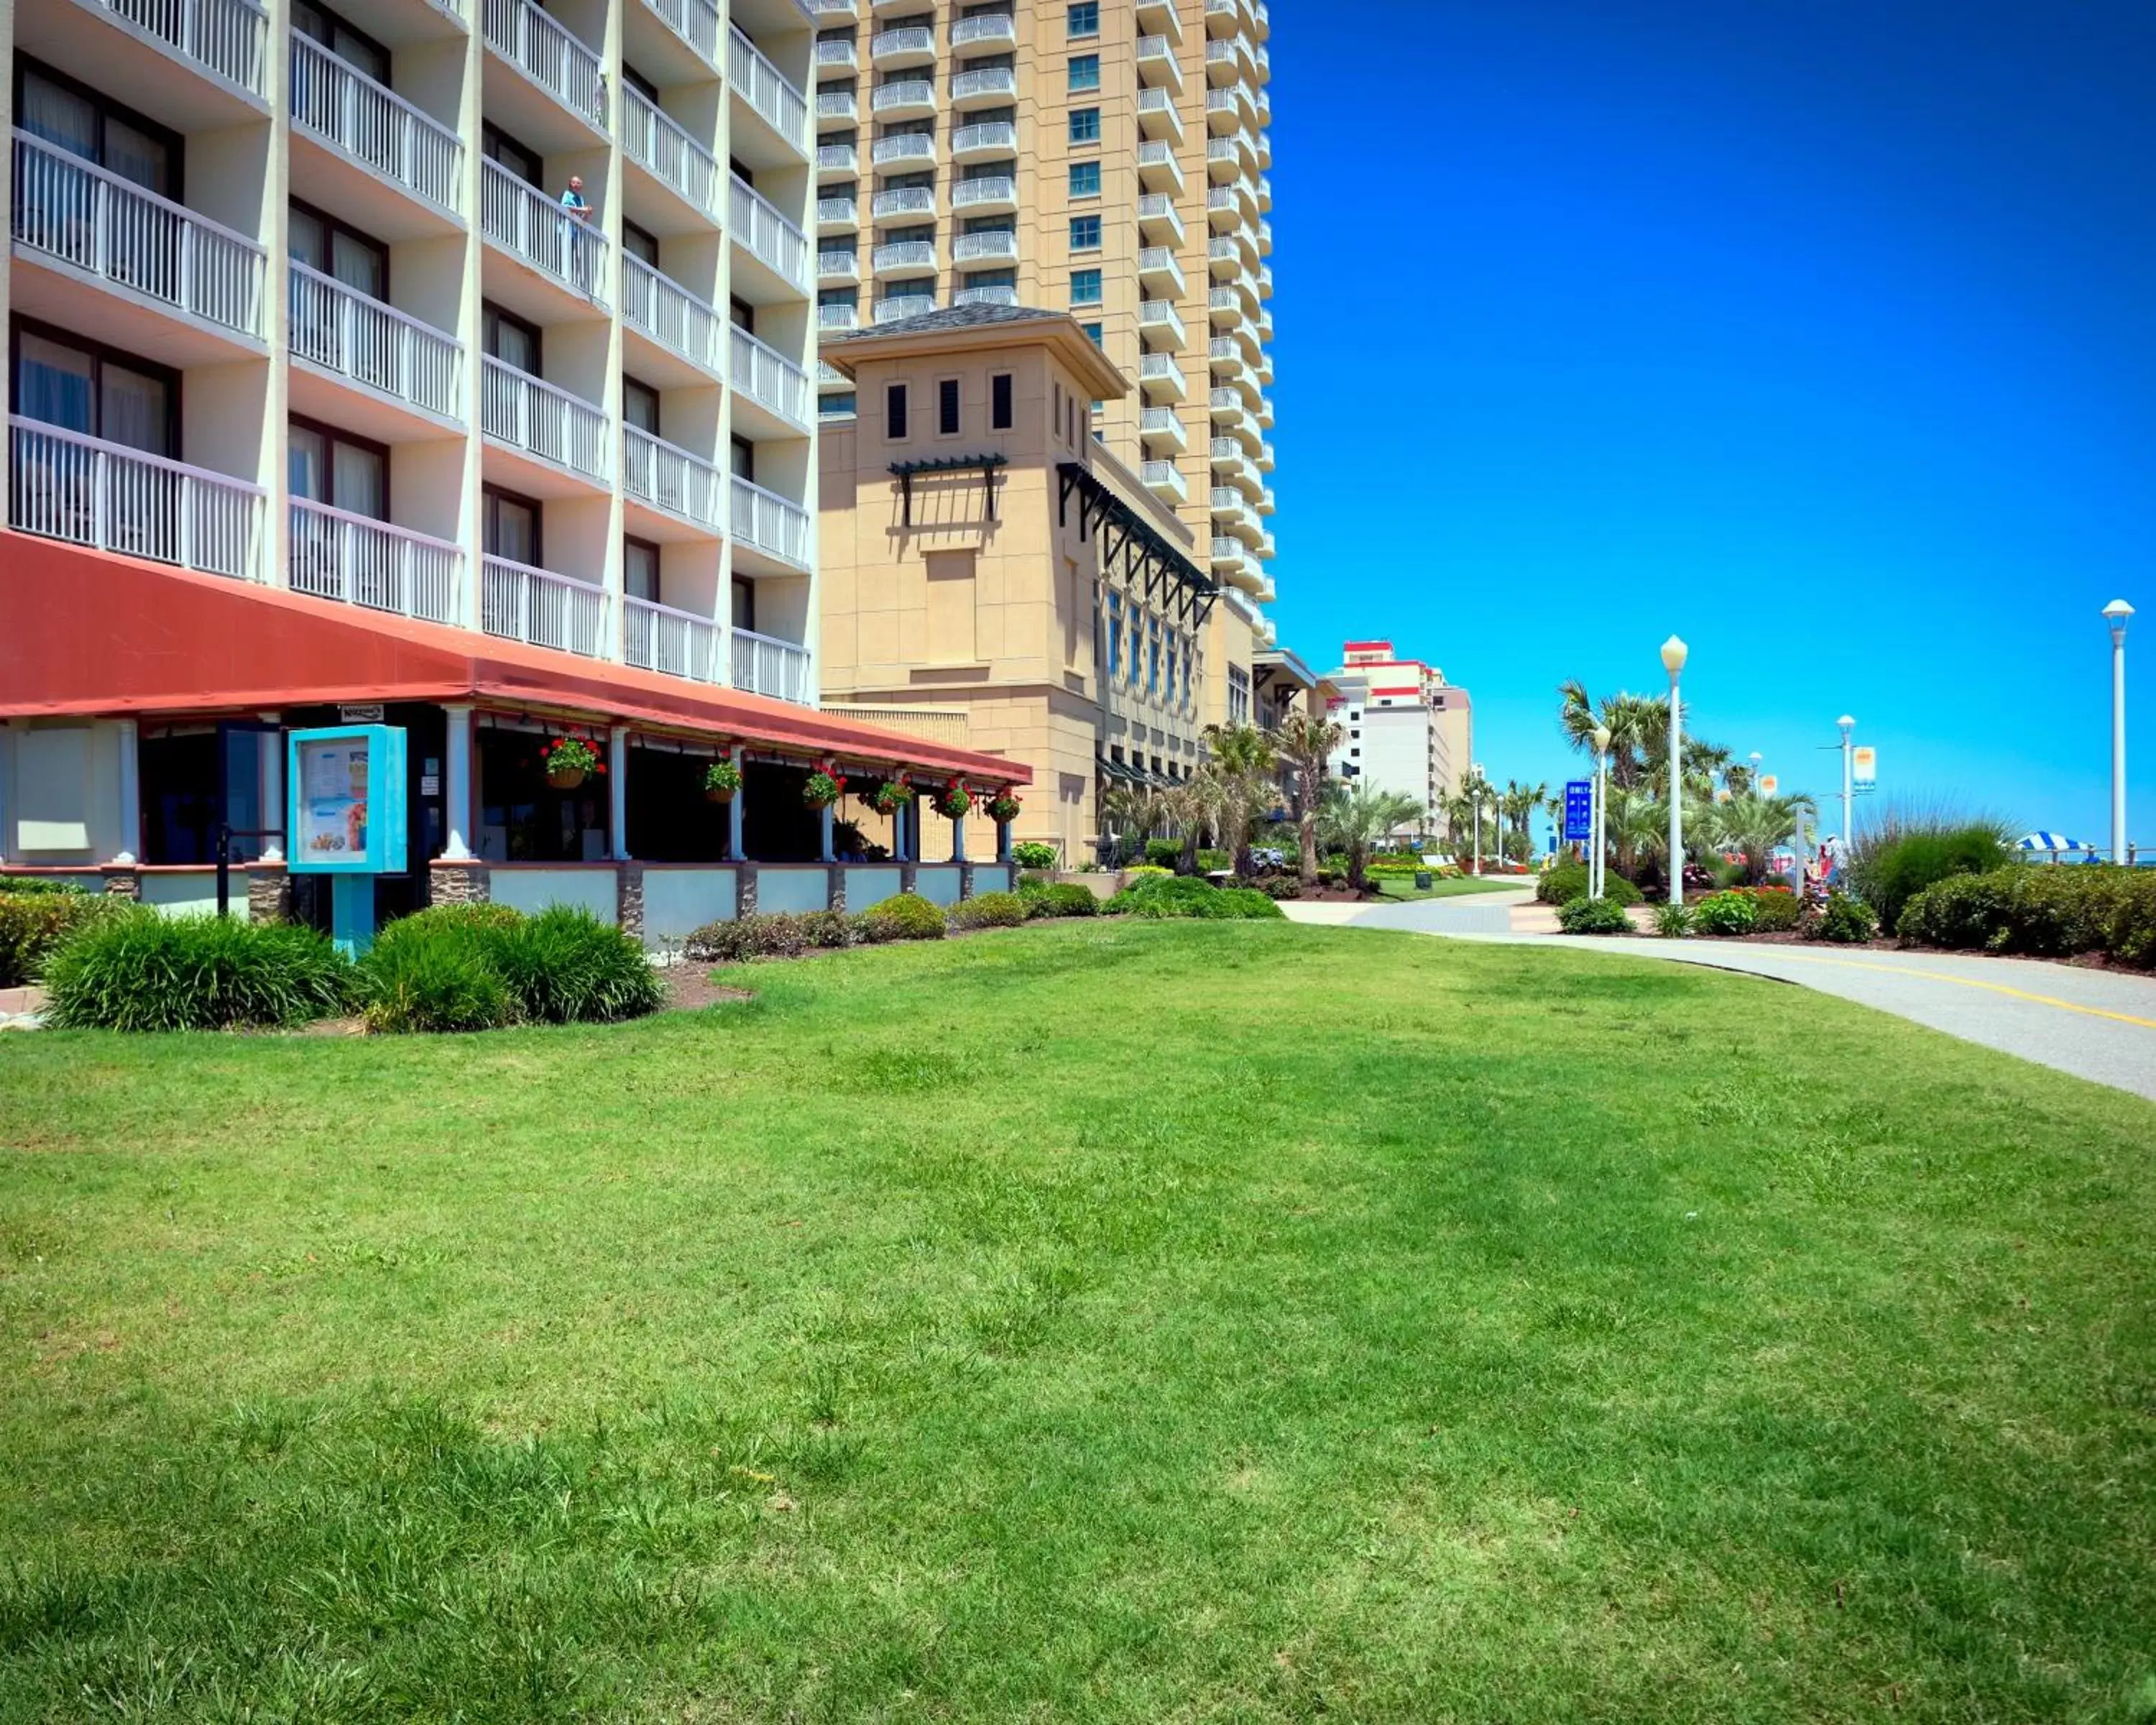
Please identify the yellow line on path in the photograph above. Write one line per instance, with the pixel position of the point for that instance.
(1940, 976)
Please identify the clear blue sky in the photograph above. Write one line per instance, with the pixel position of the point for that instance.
(1822, 332)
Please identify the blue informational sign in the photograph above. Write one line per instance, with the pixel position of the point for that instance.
(1579, 810)
(344, 817)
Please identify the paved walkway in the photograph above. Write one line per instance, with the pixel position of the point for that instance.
(2098, 1025)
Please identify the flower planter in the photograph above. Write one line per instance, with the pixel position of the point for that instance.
(566, 778)
(718, 796)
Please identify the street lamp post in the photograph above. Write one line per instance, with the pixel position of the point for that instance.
(1478, 820)
(2116, 613)
(1848, 783)
(1595, 865)
(1673, 661)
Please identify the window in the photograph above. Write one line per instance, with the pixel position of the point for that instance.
(893, 413)
(62, 380)
(334, 468)
(1085, 233)
(73, 117)
(341, 252)
(947, 407)
(1085, 287)
(1091, 333)
(1085, 125)
(499, 147)
(640, 242)
(1085, 19)
(509, 338)
(1085, 73)
(999, 401)
(354, 46)
(509, 526)
(1153, 659)
(744, 458)
(1085, 179)
(1115, 635)
(639, 406)
(744, 603)
(1239, 696)
(1056, 421)
(640, 570)
(836, 406)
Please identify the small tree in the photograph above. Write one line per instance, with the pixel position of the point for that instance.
(1183, 807)
(1755, 825)
(1242, 765)
(1356, 816)
(1304, 743)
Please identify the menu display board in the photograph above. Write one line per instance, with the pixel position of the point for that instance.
(344, 786)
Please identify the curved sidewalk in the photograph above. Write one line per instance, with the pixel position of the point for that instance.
(2098, 1025)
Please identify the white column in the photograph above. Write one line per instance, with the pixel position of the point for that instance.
(131, 794)
(270, 767)
(457, 784)
(617, 791)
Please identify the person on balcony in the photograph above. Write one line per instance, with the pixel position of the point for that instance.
(579, 213)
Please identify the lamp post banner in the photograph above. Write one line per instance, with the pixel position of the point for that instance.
(1579, 809)
(1864, 767)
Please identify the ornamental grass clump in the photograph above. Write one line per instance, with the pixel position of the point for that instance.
(137, 970)
(902, 917)
(566, 966)
(458, 968)
(36, 916)
(989, 910)
(1903, 850)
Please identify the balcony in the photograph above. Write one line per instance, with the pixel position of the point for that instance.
(543, 421)
(341, 332)
(1265, 504)
(905, 150)
(904, 99)
(1158, 171)
(1159, 222)
(911, 256)
(836, 267)
(903, 201)
(1223, 213)
(984, 140)
(992, 194)
(1228, 557)
(986, 33)
(764, 377)
(837, 161)
(1164, 480)
(226, 41)
(1224, 257)
(1158, 271)
(993, 245)
(657, 306)
(1264, 458)
(771, 96)
(355, 559)
(656, 143)
(1160, 378)
(838, 54)
(672, 480)
(519, 603)
(984, 87)
(1156, 63)
(838, 107)
(763, 665)
(1265, 239)
(1163, 425)
(530, 226)
(834, 12)
(1221, 67)
(341, 105)
(769, 524)
(1222, 165)
(695, 22)
(1223, 17)
(1227, 503)
(1223, 307)
(915, 45)
(65, 485)
(1160, 15)
(554, 60)
(1261, 23)
(658, 638)
(1223, 113)
(837, 319)
(904, 306)
(994, 293)
(770, 240)
(837, 215)
(1265, 411)
(1157, 118)
(93, 225)
(1159, 321)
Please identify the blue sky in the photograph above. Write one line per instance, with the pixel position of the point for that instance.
(1822, 332)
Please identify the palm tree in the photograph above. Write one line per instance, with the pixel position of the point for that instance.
(1243, 764)
(1183, 807)
(1304, 743)
(1638, 724)
(1637, 826)
(1755, 825)
(1135, 808)
(1355, 816)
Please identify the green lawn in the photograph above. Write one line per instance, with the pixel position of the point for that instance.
(1399, 887)
(1136, 1323)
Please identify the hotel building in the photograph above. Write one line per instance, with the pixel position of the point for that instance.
(1405, 728)
(446, 360)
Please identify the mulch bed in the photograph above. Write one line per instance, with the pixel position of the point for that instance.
(690, 988)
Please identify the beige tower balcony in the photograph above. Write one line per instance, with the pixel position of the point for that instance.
(834, 12)
(1230, 364)
(1159, 222)
(1223, 17)
(1157, 63)
(1161, 324)
(983, 87)
(905, 151)
(904, 99)
(839, 214)
(1158, 118)
(1224, 308)
(674, 337)
(556, 99)
(1159, 272)
(838, 161)
(837, 319)
(838, 107)
(990, 246)
(904, 257)
(905, 300)
(987, 32)
(1160, 17)
(910, 45)
(1224, 257)
(1158, 170)
(839, 53)
(990, 195)
(1160, 378)
(984, 140)
(1226, 58)
(992, 293)
(1162, 429)
(1164, 480)
(835, 268)
(899, 201)
(1223, 165)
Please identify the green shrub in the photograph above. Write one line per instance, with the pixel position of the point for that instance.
(34, 923)
(1163, 853)
(35, 887)
(136, 970)
(1847, 921)
(1189, 897)
(1070, 899)
(1146, 871)
(434, 983)
(1774, 911)
(776, 935)
(987, 910)
(2053, 912)
(478, 967)
(902, 917)
(1594, 915)
(1727, 913)
(1675, 921)
(566, 966)
(1030, 853)
(1246, 904)
(1567, 881)
(1211, 861)
(1903, 852)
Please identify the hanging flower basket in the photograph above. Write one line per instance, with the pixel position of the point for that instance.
(822, 790)
(1002, 808)
(721, 780)
(890, 796)
(568, 759)
(953, 801)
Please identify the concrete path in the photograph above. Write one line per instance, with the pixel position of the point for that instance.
(2098, 1024)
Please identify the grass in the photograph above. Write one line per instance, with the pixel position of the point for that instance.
(1404, 886)
(1234, 1321)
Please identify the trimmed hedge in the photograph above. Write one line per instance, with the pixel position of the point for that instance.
(1567, 881)
(1045, 898)
(2041, 912)
(1186, 896)
(779, 935)
(902, 917)
(137, 970)
(36, 916)
(1594, 915)
(987, 910)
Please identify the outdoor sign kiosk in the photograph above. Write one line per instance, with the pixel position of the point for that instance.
(337, 827)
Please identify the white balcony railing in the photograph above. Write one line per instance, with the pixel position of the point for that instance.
(767, 377)
(64, 486)
(668, 313)
(903, 146)
(521, 604)
(549, 55)
(357, 560)
(765, 666)
(994, 293)
(342, 331)
(770, 522)
(1163, 476)
(985, 136)
(668, 477)
(769, 90)
(77, 212)
(838, 159)
(990, 27)
(905, 93)
(837, 104)
(658, 638)
(337, 101)
(229, 37)
(903, 201)
(530, 415)
(838, 317)
(836, 265)
(984, 81)
(531, 225)
(839, 212)
(904, 255)
(659, 143)
(839, 51)
(915, 41)
(904, 306)
(989, 188)
(990, 244)
(758, 225)
(695, 22)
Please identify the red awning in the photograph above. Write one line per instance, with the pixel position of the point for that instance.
(88, 634)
